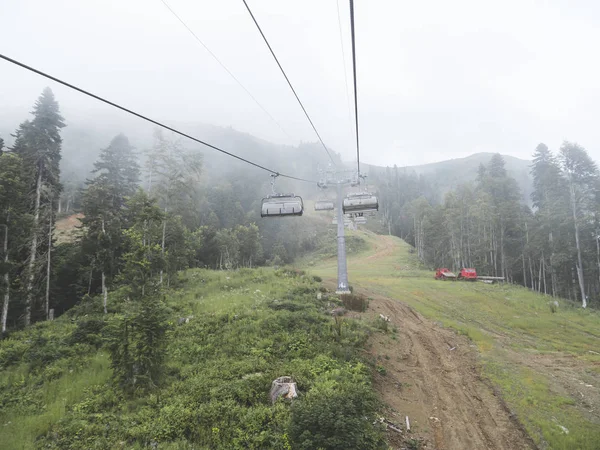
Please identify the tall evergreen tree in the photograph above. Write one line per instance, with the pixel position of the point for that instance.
(581, 175)
(117, 176)
(12, 225)
(38, 143)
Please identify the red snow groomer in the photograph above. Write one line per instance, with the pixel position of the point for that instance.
(444, 273)
(467, 274)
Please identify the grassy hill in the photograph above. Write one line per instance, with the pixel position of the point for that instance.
(231, 334)
(510, 357)
(544, 362)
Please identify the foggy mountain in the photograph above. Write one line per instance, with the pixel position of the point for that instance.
(85, 136)
(447, 175)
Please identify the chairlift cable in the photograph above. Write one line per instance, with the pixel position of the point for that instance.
(288, 81)
(344, 66)
(226, 69)
(355, 94)
(148, 119)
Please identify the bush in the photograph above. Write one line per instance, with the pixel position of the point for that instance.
(88, 332)
(355, 302)
(335, 415)
(286, 305)
(317, 278)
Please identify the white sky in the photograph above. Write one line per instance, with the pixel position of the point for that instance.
(436, 79)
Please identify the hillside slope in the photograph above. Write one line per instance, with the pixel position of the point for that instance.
(545, 365)
(447, 175)
(230, 335)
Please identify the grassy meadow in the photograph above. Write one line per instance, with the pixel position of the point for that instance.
(231, 334)
(546, 365)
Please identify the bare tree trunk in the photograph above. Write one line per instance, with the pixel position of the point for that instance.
(502, 256)
(33, 248)
(598, 254)
(104, 292)
(6, 280)
(524, 271)
(162, 251)
(544, 274)
(531, 274)
(90, 278)
(579, 259)
(553, 281)
(48, 265)
(540, 277)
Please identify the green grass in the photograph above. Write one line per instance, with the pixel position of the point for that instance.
(19, 431)
(245, 329)
(509, 324)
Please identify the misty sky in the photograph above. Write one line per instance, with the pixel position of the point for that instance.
(437, 79)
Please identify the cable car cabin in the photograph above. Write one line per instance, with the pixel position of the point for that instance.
(364, 202)
(324, 205)
(281, 205)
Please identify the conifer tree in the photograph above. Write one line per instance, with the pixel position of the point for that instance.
(12, 226)
(117, 175)
(581, 176)
(38, 143)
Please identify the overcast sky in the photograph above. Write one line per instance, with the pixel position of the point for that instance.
(436, 79)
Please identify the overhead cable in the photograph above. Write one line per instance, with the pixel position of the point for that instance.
(288, 81)
(355, 94)
(344, 66)
(226, 69)
(155, 122)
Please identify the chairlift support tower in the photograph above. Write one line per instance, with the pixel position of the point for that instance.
(343, 286)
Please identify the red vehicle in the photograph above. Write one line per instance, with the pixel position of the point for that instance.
(467, 274)
(444, 273)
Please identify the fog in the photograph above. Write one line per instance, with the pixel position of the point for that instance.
(436, 79)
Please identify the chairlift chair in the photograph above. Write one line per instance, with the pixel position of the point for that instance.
(324, 205)
(281, 205)
(360, 203)
(360, 220)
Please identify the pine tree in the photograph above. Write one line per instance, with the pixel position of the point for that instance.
(581, 175)
(117, 175)
(172, 175)
(38, 143)
(12, 225)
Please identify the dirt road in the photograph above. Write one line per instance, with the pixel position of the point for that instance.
(432, 375)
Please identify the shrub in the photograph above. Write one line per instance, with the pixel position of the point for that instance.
(317, 278)
(335, 415)
(382, 324)
(355, 302)
(88, 332)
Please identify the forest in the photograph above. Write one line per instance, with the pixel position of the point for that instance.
(552, 247)
(148, 213)
(145, 214)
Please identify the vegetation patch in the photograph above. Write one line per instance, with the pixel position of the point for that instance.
(213, 391)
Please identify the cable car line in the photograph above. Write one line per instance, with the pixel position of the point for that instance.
(148, 119)
(355, 95)
(344, 66)
(288, 81)
(226, 69)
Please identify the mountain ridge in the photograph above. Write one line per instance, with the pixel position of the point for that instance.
(449, 174)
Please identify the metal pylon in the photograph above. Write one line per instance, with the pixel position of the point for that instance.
(343, 287)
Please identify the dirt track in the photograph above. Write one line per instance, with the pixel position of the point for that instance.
(432, 376)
